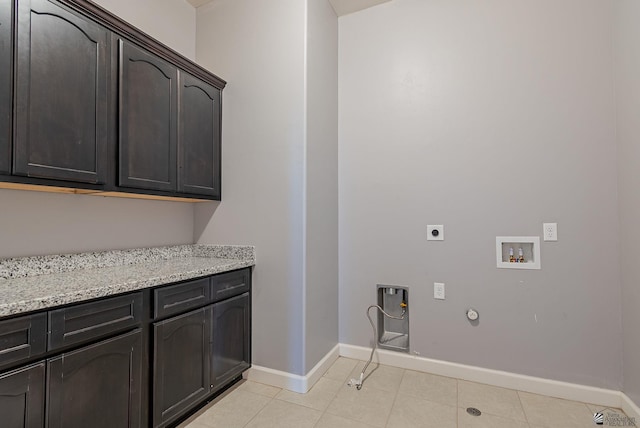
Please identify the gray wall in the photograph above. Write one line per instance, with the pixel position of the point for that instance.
(258, 47)
(173, 22)
(322, 182)
(491, 118)
(627, 67)
(35, 223)
(279, 167)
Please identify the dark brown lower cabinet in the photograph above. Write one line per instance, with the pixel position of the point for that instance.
(231, 343)
(181, 364)
(121, 355)
(98, 386)
(22, 398)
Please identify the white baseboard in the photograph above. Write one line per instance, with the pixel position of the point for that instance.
(536, 385)
(292, 382)
(630, 408)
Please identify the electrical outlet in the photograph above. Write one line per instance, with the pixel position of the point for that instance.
(438, 290)
(435, 232)
(550, 231)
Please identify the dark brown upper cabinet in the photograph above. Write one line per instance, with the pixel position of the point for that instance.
(199, 148)
(89, 102)
(147, 120)
(6, 31)
(62, 74)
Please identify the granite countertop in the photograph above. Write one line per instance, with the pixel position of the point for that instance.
(36, 283)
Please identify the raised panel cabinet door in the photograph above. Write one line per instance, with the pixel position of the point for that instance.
(22, 398)
(199, 137)
(6, 25)
(98, 386)
(180, 365)
(61, 95)
(231, 339)
(147, 120)
(22, 338)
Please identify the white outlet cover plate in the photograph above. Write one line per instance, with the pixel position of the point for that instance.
(550, 231)
(438, 290)
(431, 228)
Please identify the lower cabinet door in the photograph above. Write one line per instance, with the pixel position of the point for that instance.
(22, 398)
(98, 386)
(181, 364)
(231, 339)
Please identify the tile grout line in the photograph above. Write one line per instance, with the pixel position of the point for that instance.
(457, 404)
(526, 418)
(259, 411)
(395, 398)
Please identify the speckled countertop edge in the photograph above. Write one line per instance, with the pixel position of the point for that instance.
(29, 293)
(60, 263)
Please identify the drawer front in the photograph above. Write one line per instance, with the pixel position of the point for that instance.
(230, 284)
(181, 297)
(22, 338)
(88, 321)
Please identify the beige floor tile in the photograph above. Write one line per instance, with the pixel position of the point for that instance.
(369, 405)
(194, 425)
(413, 412)
(318, 397)
(430, 387)
(332, 421)
(385, 378)
(490, 399)
(552, 412)
(341, 369)
(234, 410)
(259, 388)
(207, 406)
(280, 414)
(485, 420)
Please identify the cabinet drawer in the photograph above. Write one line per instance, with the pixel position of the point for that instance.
(22, 338)
(230, 284)
(88, 321)
(178, 298)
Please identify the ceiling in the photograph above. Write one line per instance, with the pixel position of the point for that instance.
(342, 7)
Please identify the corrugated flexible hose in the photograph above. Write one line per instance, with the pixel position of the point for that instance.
(358, 382)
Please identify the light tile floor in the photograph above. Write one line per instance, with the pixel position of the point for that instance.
(390, 398)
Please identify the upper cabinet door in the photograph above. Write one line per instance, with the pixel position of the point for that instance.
(199, 137)
(5, 85)
(147, 120)
(61, 94)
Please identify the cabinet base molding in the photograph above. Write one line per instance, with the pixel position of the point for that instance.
(73, 191)
(149, 197)
(49, 189)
